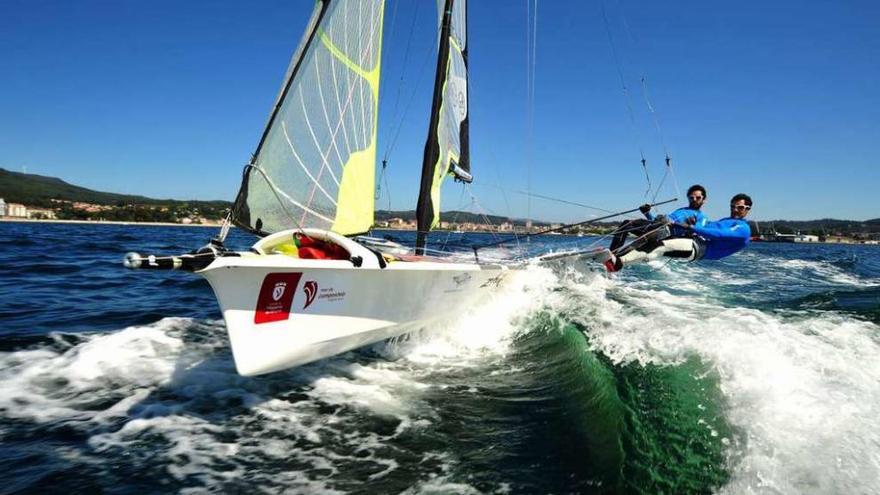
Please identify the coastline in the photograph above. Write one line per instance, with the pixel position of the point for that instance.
(169, 224)
(102, 222)
(217, 225)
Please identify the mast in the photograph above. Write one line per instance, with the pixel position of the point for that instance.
(446, 151)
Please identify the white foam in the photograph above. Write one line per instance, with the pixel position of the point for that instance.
(483, 334)
(50, 384)
(803, 389)
(818, 271)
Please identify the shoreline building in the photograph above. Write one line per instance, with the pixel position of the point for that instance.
(16, 210)
(41, 214)
(2, 208)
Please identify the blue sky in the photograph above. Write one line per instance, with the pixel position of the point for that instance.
(168, 99)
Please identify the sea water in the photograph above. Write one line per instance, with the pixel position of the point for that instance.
(755, 374)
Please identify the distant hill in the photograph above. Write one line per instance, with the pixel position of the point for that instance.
(825, 226)
(455, 216)
(38, 190)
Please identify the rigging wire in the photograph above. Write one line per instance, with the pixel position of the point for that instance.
(454, 219)
(473, 91)
(627, 99)
(578, 224)
(656, 119)
(668, 170)
(383, 178)
(531, 63)
(483, 211)
(531, 33)
(397, 123)
(541, 196)
(404, 65)
(391, 30)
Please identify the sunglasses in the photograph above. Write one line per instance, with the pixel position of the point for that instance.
(741, 207)
(694, 198)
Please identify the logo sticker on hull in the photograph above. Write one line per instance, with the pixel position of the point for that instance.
(461, 279)
(311, 290)
(493, 282)
(276, 297)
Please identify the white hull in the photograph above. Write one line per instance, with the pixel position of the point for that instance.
(334, 306)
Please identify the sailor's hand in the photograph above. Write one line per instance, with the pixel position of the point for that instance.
(645, 208)
(691, 220)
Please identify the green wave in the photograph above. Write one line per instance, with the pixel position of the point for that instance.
(675, 428)
(628, 428)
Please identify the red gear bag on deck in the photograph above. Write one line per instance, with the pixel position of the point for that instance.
(316, 249)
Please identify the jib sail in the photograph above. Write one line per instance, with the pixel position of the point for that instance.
(315, 163)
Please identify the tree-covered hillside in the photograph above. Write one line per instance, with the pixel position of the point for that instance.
(39, 190)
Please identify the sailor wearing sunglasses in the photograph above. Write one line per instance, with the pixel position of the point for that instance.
(689, 215)
(728, 235)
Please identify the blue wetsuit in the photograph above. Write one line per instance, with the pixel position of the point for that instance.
(723, 237)
(681, 216)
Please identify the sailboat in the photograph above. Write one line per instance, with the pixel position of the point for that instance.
(313, 286)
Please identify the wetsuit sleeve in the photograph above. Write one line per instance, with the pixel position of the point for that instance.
(701, 220)
(683, 215)
(739, 230)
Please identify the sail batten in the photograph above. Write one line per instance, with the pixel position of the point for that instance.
(315, 163)
(447, 147)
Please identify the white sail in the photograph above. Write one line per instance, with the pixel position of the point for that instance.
(315, 164)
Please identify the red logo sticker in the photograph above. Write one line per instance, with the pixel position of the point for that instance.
(311, 290)
(276, 297)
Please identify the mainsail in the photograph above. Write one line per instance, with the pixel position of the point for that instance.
(315, 163)
(446, 150)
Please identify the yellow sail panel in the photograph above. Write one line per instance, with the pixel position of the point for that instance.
(354, 212)
(356, 203)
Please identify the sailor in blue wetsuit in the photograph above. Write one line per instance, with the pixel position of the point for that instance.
(648, 233)
(713, 240)
(689, 215)
(728, 235)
